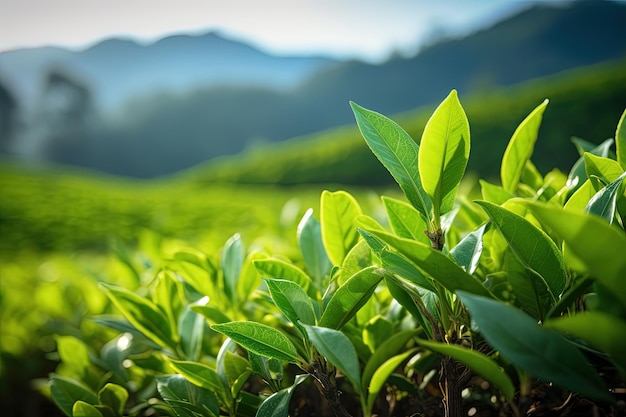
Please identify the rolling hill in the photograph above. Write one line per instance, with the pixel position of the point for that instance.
(169, 131)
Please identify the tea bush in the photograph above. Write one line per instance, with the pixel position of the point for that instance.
(505, 300)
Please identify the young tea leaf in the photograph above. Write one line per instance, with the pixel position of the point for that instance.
(249, 278)
(405, 220)
(520, 148)
(604, 331)
(144, 315)
(232, 262)
(593, 241)
(192, 327)
(467, 252)
(350, 297)
(113, 396)
(577, 175)
(443, 153)
(292, 301)
(604, 202)
(494, 193)
(312, 247)
(81, 408)
(385, 351)
(260, 339)
(398, 152)
(277, 404)
(532, 246)
(382, 373)
(237, 370)
(434, 263)
(65, 392)
(338, 210)
(541, 352)
(274, 268)
(187, 399)
(338, 350)
(200, 375)
(604, 168)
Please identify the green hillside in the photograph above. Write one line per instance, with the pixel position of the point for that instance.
(583, 103)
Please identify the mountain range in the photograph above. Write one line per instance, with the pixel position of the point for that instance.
(150, 110)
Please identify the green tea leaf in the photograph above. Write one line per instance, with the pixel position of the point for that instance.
(531, 245)
(232, 262)
(382, 373)
(532, 177)
(530, 289)
(385, 351)
(580, 198)
(144, 315)
(399, 265)
(443, 153)
(249, 278)
(187, 399)
(274, 268)
(350, 297)
(83, 409)
(405, 220)
(270, 370)
(166, 296)
(65, 392)
(398, 152)
(309, 235)
(434, 264)
(476, 361)
(277, 404)
(605, 168)
(338, 210)
(199, 374)
(467, 252)
(541, 352)
(620, 140)
(260, 339)
(410, 297)
(73, 353)
(494, 193)
(593, 241)
(376, 331)
(359, 257)
(338, 350)
(604, 202)
(192, 327)
(577, 175)
(196, 258)
(113, 396)
(292, 301)
(520, 148)
(237, 371)
(604, 331)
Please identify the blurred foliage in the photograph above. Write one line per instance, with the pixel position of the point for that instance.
(583, 103)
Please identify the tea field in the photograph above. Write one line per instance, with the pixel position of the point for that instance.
(77, 248)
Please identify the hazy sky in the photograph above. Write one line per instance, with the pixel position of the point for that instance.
(367, 29)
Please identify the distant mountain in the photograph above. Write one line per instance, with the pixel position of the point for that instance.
(181, 126)
(116, 70)
(542, 40)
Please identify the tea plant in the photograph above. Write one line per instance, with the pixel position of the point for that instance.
(520, 289)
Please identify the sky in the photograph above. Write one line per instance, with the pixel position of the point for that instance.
(363, 29)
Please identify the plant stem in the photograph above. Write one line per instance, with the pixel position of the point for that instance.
(452, 374)
(451, 386)
(327, 384)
